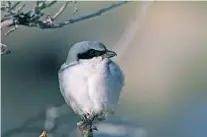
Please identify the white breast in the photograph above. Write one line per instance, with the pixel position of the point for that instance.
(91, 86)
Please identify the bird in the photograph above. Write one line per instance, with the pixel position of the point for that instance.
(89, 81)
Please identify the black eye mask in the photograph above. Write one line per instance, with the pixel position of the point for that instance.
(90, 54)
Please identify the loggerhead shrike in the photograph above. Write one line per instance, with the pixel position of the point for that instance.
(90, 81)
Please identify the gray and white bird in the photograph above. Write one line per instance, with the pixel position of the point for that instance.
(89, 80)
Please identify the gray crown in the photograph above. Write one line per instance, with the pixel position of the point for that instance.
(82, 47)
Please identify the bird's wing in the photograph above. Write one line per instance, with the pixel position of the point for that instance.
(105, 87)
(73, 83)
(115, 81)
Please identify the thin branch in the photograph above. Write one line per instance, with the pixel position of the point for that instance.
(21, 8)
(32, 18)
(75, 8)
(4, 49)
(15, 5)
(60, 11)
(7, 7)
(51, 19)
(6, 23)
(6, 17)
(84, 17)
(9, 3)
(12, 29)
(40, 5)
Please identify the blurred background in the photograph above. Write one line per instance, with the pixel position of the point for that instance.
(161, 48)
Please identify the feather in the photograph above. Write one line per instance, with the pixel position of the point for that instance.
(91, 86)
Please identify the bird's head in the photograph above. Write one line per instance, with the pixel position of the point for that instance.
(87, 50)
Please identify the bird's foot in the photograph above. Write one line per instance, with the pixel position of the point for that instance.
(85, 117)
(80, 123)
(86, 126)
(85, 122)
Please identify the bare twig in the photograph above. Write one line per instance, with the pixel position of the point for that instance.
(51, 19)
(5, 17)
(84, 17)
(6, 23)
(75, 8)
(8, 7)
(12, 29)
(4, 49)
(15, 5)
(32, 18)
(60, 10)
(15, 17)
(21, 8)
(40, 5)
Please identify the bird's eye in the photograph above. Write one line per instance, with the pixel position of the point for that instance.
(92, 52)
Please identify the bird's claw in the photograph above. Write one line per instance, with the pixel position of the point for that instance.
(84, 118)
(86, 124)
(80, 123)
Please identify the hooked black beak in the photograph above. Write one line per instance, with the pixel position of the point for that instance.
(109, 54)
